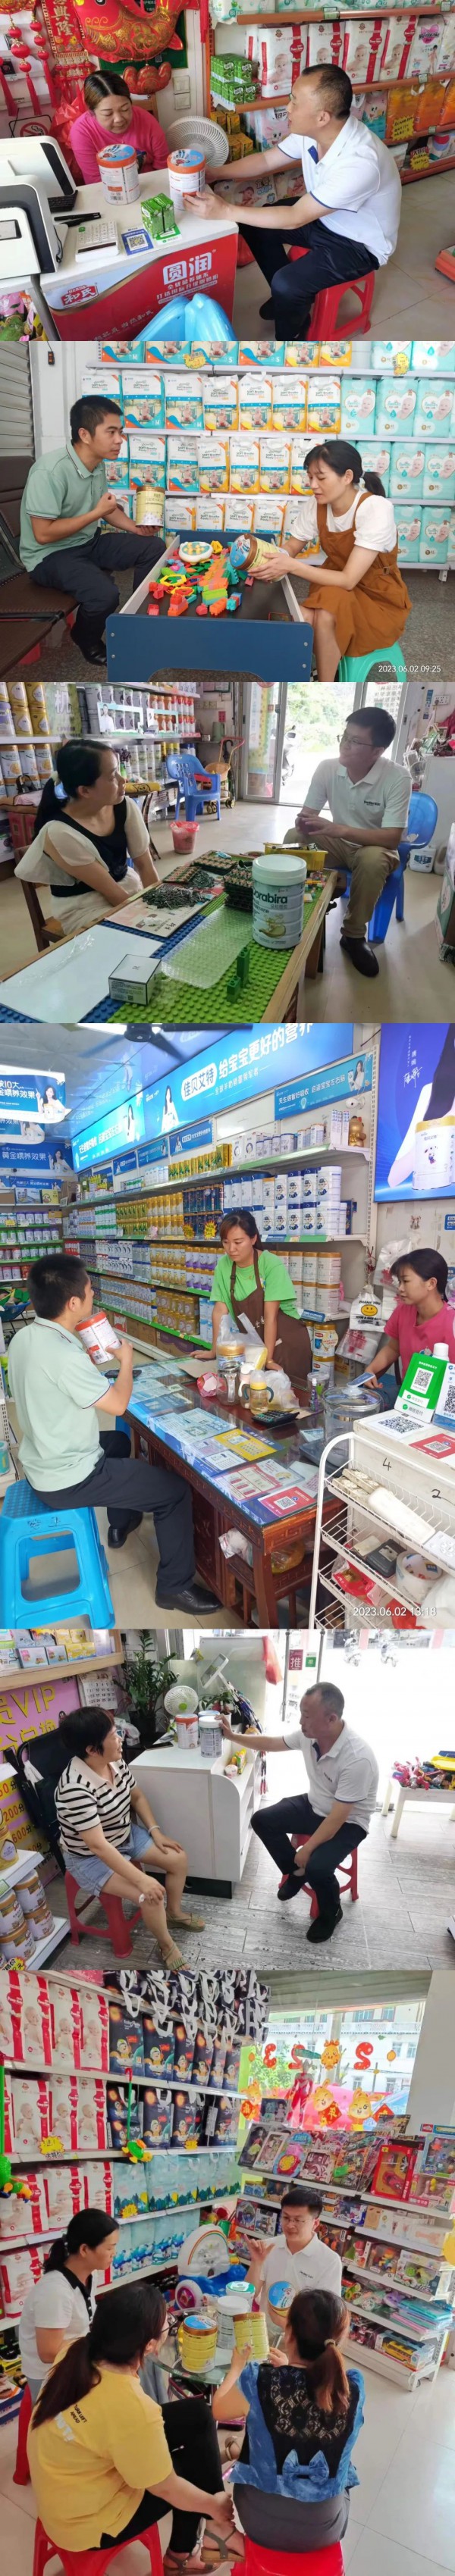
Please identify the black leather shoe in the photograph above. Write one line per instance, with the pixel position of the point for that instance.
(361, 955)
(291, 1886)
(191, 1596)
(116, 1537)
(266, 311)
(321, 1931)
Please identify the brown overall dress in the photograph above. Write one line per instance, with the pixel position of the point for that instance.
(374, 614)
(292, 1347)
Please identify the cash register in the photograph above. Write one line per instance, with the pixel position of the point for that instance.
(37, 195)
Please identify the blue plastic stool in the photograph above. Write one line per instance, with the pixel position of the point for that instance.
(359, 668)
(421, 823)
(27, 1532)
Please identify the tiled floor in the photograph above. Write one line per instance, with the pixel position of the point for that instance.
(402, 2517)
(409, 293)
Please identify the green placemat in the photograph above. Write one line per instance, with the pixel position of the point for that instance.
(179, 1005)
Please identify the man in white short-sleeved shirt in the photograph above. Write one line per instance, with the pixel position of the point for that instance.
(297, 2259)
(348, 217)
(309, 1836)
(368, 797)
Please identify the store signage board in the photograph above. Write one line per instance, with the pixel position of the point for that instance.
(187, 1139)
(226, 1075)
(18, 1160)
(31, 1095)
(121, 1126)
(416, 1088)
(346, 1081)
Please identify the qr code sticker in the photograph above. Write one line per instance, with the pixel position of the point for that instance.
(449, 1397)
(422, 1381)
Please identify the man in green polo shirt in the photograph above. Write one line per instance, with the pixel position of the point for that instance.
(74, 533)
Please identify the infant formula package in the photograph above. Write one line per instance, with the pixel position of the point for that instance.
(439, 474)
(102, 380)
(435, 536)
(183, 464)
(268, 516)
(289, 400)
(213, 464)
(376, 460)
(238, 513)
(210, 516)
(391, 357)
(274, 464)
(433, 357)
(358, 406)
(184, 408)
(434, 417)
(407, 463)
(299, 452)
(324, 402)
(116, 468)
(143, 399)
(244, 465)
(147, 461)
(255, 401)
(408, 521)
(220, 401)
(396, 406)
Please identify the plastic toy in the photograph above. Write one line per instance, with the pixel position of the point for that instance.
(216, 585)
(9, 2183)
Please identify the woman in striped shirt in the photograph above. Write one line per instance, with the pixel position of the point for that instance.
(109, 1836)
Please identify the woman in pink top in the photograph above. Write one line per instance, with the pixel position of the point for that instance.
(110, 117)
(422, 1316)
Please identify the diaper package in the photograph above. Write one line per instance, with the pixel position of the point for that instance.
(255, 401)
(362, 47)
(324, 403)
(408, 522)
(424, 48)
(407, 462)
(376, 460)
(291, 528)
(304, 354)
(433, 357)
(238, 512)
(446, 48)
(391, 357)
(19, 2271)
(289, 401)
(258, 353)
(183, 464)
(333, 353)
(396, 46)
(147, 461)
(325, 44)
(179, 517)
(210, 516)
(25, 2023)
(371, 106)
(435, 407)
(396, 406)
(299, 452)
(358, 406)
(184, 406)
(439, 474)
(274, 464)
(220, 402)
(143, 399)
(268, 514)
(280, 52)
(102, 380)
(116, 468)
(244, 465)
(435, 536)
(213, 464)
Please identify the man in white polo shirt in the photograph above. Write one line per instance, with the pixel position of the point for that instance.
(348, 217)
(368, 797)
(297, 2259)
(333, 1818)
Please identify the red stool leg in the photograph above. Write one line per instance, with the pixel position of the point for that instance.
(314, 1908)
(155, 2550)
(43, 2549)
(71, 1893)
(21, 2473)
(119, 1930)
(354, 1875)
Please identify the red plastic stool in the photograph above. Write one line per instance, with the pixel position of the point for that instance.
(118, 1928)
(347, 1872)
(91, 2562)
(299, 2562)
(21, 2473)
(325, 310)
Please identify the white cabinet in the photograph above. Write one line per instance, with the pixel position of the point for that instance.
(202, 1806)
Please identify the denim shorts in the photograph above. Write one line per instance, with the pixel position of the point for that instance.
(92, 1873)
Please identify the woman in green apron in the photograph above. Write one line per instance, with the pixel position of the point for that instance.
(251, 1280)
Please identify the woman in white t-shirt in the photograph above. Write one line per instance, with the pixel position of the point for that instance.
(61, 2305)
(359, 601)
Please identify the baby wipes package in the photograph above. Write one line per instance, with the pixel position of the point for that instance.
(184, 401)
(435, 536)
(406, 470)
(376, 460)
(213, 464)
(289, 400)
(244, 475)
(255, 401)
(147, 461)
(299, 452)
(408, 522)
(210, 516)
(324, 402)
(439, 474)
(143, 399)
(434, 407)
(116, 468)
(274, 464)
(179, 516)
(220, 401)
(433, 357)
(183, 464)
(358, 406)
(396, 406)
(391, 356)
(268, 514)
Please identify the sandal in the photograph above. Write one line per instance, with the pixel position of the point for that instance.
(172, 1957)
(188, 1922)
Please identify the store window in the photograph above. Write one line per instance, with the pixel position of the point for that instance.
(312, 726)
(348, 2065)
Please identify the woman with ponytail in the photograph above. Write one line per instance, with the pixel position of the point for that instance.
(359, 601)
(101, 2452)
(303, 2413)
(90, 843)
(60, 2306)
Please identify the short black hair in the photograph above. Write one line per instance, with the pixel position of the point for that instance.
(302, 2196)
(376, 721)
(88, 411)
(53, 1280)
(428, 1264)
(336, 87)
(329, 1692)
(83, 1727)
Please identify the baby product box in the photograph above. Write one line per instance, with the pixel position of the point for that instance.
(439, 474)
(406, 470)
(255, 401)
(258, 353)
(299, 451)
(424, 49)
(391, 357)
(238, 513)
(220, 402)
(183, 464)
(184, 409)
(209, 516)
(116, 468)
(433, 357)
(324, 402)
(435, 536)
(102, 380)
(362, 46)
(396, 406)
(376, 460)
(143, 399)
(244, 465)
(409, 529)
(358, 405)
(179, 517)
(147, 461)
(213, 464)
(289, 400)
(434, 407)
(268, 514)
(274, 464)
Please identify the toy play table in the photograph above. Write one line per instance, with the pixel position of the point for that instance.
(51, 988)
(423, 1798)
(250, 643)
(114, 297)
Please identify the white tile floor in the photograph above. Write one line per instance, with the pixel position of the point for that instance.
(409, 293)
(402, 2518)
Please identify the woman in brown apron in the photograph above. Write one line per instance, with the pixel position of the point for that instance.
(287, 1340)
(359, 601)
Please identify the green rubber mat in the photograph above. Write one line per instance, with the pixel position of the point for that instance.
(181, 1006)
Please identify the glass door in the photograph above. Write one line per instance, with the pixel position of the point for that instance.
(262, 715)
(313, 724)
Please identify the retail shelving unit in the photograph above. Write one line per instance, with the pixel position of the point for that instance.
(382, 1457)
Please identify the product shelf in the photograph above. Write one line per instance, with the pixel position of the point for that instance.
(11, 1875)
(45, 2235)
